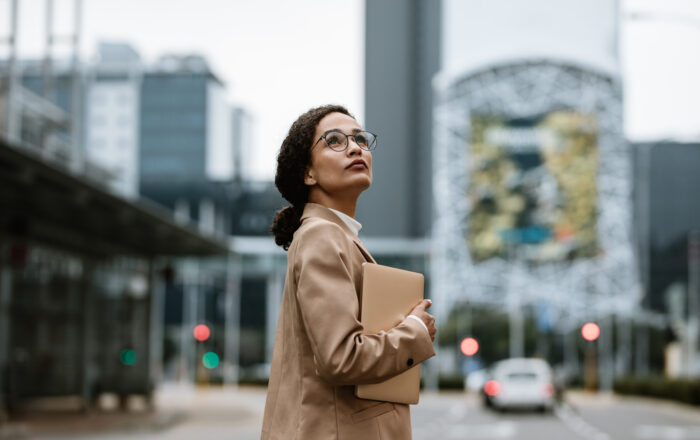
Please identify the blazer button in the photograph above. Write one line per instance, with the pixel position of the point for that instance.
(409, 362)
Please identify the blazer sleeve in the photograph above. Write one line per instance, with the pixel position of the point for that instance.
(329, 308)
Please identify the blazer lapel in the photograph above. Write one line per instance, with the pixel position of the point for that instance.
(316, 210)
(362, 249)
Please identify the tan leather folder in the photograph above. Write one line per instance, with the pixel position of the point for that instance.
(388, 295)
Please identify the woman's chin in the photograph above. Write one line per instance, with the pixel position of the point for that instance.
(365, 183)
(356, 185)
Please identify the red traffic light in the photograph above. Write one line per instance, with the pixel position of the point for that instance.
(590, 331)
(201, 332)
(469, 346)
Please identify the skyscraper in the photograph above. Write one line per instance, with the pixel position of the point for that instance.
(402, 53)
(666, 214)
(185, 122)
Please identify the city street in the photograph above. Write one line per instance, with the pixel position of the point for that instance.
(594, 417)
(212, 414)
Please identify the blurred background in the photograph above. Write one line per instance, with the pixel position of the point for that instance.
(538, 161)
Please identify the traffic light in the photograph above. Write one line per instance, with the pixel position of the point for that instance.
(590, 331)
(210, 360)
(469, 346)
(201, 332)
(127, 357)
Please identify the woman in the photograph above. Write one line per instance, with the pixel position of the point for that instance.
(320, 353)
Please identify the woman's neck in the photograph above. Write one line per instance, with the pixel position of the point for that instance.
(346, 205)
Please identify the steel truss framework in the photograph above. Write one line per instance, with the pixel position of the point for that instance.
(575, 290)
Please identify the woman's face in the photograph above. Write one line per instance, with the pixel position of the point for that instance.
(337, 172)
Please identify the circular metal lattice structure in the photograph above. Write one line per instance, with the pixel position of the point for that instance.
(600, 280)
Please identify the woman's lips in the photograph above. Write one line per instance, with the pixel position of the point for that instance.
(358, 164)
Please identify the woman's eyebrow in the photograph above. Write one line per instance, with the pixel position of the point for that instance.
(354, 130)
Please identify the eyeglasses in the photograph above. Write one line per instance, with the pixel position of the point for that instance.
(338, 141)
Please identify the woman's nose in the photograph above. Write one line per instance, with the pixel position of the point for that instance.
(353, 147)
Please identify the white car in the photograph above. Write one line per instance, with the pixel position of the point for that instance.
(520, 383)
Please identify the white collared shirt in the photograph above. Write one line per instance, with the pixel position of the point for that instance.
(355, 227)
(353, 224)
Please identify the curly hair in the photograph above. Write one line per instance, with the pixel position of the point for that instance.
(292, 161)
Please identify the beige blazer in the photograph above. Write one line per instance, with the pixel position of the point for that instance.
(320, 352)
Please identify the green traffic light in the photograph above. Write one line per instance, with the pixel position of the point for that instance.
(127, 357)
(210, 360)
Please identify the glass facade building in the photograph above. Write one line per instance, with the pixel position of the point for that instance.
(173, 125)
(666, 214)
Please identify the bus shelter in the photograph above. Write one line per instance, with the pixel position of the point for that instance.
(82, 275)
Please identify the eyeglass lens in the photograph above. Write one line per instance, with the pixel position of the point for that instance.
(337, 140)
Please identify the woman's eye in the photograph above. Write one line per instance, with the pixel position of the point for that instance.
(361, 140)
(333, 140)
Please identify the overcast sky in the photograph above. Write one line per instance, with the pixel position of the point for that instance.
(281, 57)
(661, 69)
(278, 58)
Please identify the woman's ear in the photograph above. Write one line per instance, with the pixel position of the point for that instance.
(309, 179)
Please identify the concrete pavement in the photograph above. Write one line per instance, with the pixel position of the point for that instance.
(182, 411)
(186, 412)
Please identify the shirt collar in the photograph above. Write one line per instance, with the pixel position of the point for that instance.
(320, 211)
(351, 223)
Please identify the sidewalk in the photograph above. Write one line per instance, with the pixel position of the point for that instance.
(579, 398)
(175, 405)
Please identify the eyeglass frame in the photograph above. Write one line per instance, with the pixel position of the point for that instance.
(347, 139)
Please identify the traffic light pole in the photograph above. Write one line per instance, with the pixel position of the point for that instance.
(233, 320)
(606, 367)
(464, 329)
(5, 298)
(516, 333)
(188, 348)
(693, 290)
(516, 327)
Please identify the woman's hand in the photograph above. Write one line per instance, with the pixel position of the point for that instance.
(427, 318)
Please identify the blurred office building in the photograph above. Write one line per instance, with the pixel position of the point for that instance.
(402, 54)
(185, 140)
(112, 94)
(667, 220)
(82, 268)
(105, 94)
(186, 129)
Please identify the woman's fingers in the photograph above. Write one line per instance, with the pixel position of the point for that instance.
(428, 319)
(421, 306)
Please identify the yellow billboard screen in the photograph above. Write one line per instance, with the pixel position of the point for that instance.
(532, 189)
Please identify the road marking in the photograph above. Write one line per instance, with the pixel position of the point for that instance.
(577, 424)
(491, 430)
(667, 432)
(464, 430)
